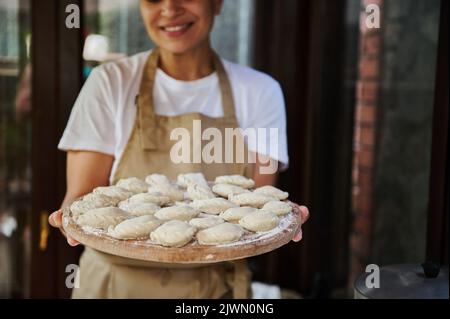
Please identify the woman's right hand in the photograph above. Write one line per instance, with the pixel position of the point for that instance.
(55, 219)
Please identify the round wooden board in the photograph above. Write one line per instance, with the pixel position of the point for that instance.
(252, 244)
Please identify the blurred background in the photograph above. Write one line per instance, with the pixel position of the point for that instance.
(367, 126)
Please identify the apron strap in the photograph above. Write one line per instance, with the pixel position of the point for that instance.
(145, 102)
(145, 109)
(225, 89)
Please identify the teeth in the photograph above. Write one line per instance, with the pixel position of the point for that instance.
(176, 28)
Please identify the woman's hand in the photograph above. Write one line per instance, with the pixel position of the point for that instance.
(304, 215)
(55, 220)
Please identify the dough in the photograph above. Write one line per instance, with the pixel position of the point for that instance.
(272, 191)
(102, 218)
(213, 206)
(206, 222)
(184, 213)
(101, 200)
(138, 227)
(235, 214)
(237, 180)
(259, 221)
(80, 207)
(251, 199)
(199, 192)
(133, 184)
(225, 190)
(278, 208)
(155, 198)
(185, 180)
(157, 180)
(221, 234)
(113, 191)
(174, 193)
(139, 209)
(174, 233)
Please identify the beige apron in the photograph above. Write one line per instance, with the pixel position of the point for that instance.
(148, 151)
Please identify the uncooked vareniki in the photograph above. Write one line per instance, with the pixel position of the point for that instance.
(113, 191)
(213, 206)
(226, 190)
(237, 180)
(206, 222)
(251, 199)
(138, 227)
(221, 234)
(183, 213)
(237, 213)
(174, 233)
(101, 200)
(174, 193)
(259, 221)
(157, 180)
(155, 198)
(199, 192)
(272, 191)
(133, 184)
(139, 209)
(277, 207)
(102, 218)
(185, 180)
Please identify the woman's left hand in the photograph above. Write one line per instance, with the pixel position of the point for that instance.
(304, 215)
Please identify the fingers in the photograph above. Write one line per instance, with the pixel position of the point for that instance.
(72, 242)
(55, 219)
(304, 212)
(298, 236)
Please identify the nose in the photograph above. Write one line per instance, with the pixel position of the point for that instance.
(171, 8)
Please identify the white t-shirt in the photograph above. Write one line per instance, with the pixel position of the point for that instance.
(104, 112)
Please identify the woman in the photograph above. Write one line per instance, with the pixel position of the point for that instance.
(121, 126)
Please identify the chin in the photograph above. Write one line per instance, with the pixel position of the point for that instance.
(177, 48)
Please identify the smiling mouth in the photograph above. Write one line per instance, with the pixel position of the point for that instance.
(177, 28)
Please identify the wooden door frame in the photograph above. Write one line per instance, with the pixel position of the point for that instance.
(56, 81)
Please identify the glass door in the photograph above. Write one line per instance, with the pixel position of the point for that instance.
(15, 146)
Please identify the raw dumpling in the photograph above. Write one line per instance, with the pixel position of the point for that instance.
(236, 213)
(199, 192)
(213, 206)
(101, 200)
(102, 218)
(113, 191)
(138, 227)
(174, 193)
(259, 221)
(184, 213)
(237, 180)
(157, 180)
(272, 191)
(133, 184)
(251, 199)
(226, 190)
(206, 222)
(221, 234)
(139, 209)
(278, 208)
(174, 233)
(155, 198)
(185, 180)
(80, 207)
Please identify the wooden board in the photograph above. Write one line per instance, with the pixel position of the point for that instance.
(251, 244)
